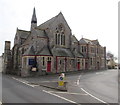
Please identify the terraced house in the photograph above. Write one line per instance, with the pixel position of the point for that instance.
(51, 48)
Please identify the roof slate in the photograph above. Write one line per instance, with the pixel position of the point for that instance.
(47, 22)
(87, 41)
(45, 51)
(62, 52)
(50, 21)
(74, 39)
(23, 34)
(77, 54)
(30, 51)
(40, 33)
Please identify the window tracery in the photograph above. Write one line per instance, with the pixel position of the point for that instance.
(60, 35)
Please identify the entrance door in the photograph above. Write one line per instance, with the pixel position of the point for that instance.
(78, 65)
(49, 66)
(86, 65)
(98, 66)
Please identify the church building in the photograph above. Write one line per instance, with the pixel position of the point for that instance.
(51, 48)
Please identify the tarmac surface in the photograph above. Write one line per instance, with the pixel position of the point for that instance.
(82, 87)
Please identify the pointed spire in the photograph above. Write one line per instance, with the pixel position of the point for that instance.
(34, 19)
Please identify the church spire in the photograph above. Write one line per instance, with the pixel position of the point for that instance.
(34, 19)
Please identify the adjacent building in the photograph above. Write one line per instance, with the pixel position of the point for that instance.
(51, 48)
(94, 54)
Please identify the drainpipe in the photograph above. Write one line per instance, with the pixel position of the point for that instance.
(56, 64)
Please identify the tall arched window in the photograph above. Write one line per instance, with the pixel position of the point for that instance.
(61, 39)
(64, 39)
(58, 39)
(60, 36)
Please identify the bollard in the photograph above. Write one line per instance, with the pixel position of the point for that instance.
(61, 82)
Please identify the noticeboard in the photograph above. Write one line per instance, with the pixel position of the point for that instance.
(31, 61)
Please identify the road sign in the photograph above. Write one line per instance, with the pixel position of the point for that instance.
(61, 78)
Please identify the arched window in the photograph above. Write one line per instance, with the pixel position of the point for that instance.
(61, 39)
(56, 38)
(59, 35)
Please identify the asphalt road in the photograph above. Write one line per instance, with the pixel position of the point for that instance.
(87, 87)
(103, 85)
(16, 92)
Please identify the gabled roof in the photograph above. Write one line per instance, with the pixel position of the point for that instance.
(95, 42)
(87, 41)
(36, 32)
(30, 51)
(64, 52)
(74, 39)
(40, 32)
(50, 21)
(44, 51)
(47, 22)
(22, 33)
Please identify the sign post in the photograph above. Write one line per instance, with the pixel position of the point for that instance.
(61, 82)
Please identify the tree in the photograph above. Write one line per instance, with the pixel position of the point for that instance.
(111, 60)
(110, 55)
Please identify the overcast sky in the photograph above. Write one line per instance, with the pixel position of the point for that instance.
(92, 19)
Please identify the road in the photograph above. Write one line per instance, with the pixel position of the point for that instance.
(86, 87)
(103, 85)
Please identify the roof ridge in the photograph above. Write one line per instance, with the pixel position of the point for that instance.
(94, 40)
(87, 39)
(48, 20)
(23, 30)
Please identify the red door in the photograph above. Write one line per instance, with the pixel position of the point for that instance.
(78, 65)
(49, 66)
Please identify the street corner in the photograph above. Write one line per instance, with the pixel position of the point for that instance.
(53, 85)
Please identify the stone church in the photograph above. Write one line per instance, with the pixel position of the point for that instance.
(51, 48)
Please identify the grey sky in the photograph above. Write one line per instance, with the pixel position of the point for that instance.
(92, 19)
